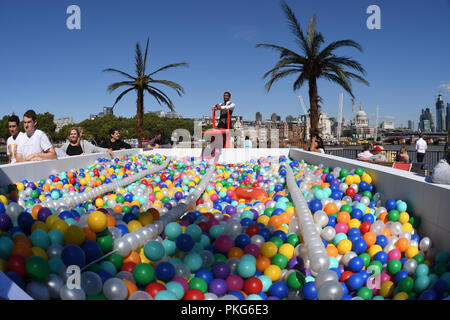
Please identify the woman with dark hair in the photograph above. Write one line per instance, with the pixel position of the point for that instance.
(75, 145)
(317, 144)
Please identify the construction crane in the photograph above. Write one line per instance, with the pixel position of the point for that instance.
(376, 125)
(341, 101)
(354, 111)
(308, 124)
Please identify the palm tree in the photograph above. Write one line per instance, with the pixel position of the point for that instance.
(145, 82)
(312, 64)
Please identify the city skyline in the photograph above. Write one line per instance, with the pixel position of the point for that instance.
(66, 64)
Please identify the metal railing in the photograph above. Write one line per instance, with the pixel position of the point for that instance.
(430, 160)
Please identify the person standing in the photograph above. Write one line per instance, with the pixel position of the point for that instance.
(34, 144)
(14, 140)
(114, 142)
(247, 142)
(223, 119)
(421, 148)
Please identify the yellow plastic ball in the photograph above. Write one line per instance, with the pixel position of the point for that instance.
(3, 199)
(344, 246)
(269, 249)
(411, 252)
(354, 223)
(400, 296)
(159, 196)
(20, 186)
(157, 204)
(50, 220)
(273, 272)
(284, 228)
(145, 218)
(60, 225)
(356, 179)
(373, 250)
(39, 225)
(403, 217)
(144, 259)
(134, 225)
(387, 289)
(203, 210)
(74, 235)
(349, 180)
(367, 178)
(290, 210)
(97, 221)
(99, 203)
(41, 198)
(264, 219)
(287, 249)
(39, 252)
(407, 227)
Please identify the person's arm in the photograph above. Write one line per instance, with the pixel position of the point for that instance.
(49, 154)
(124, 145)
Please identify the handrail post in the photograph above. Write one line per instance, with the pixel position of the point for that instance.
(214, 117)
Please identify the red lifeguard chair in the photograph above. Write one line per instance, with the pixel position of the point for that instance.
(220, 132)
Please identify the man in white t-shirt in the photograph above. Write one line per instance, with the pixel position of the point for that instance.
(421, 147)
(34, 144)
(14, 140)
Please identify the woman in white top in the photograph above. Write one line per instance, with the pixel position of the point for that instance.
(35, 145)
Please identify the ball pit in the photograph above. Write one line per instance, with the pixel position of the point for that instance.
(344, 244)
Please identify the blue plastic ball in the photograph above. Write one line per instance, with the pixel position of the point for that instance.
(279, 289)
(356, 264)
(73, 255)
(165, 271)
(309, 291)
(185, 242)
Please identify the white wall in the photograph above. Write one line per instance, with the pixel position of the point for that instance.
(430, 202)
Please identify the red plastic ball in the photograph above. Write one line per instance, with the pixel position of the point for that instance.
(365, 227)
(17, 263)
(153, 288)
(350, 192)
(55, 179)
(163, 177)
(255, 185)
(72, 181)
(345, 275)
(252, 230)
(128, 266)
(204, 226)
(194, 294)
(253, 286)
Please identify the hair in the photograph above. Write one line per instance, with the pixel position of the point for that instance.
(160, 132)
(420, 134)
(247, 137)
(402, 149)
(30, 114)
(112, 130)
(226, 92)
(319, 141)
(14, 118)
(76, 129)
(366, 147)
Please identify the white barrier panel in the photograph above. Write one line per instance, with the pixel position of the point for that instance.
(430, 202)
(36, 170)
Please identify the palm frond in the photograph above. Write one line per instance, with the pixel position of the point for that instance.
(173, 65)
(160, 97)
(328, 50)
(116, 85)
(139, 63)
(340, 79)
(295, 28)
(121, 95)
(278, 76)
(284, 52)
(311, 33)
(285, 63)
(344, 61)
(175, 86)
(121, 72)
(300, 80)
(145, 55)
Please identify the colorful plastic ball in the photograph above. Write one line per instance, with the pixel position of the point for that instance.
(193, 261)
(356, 264)
(394, 266)
(74, 235)
(205, 274)
(176, 288)
(97, 221)
(37, 268)
(165, 271)
(246, 268)
(253, 285)
(165, 295)
(198, 284)
(224, 243)
(218, 286)
(269, 249)
(279, 289)
(73, 255)
(359, 246)
(39, 238)
(143, 273)
(365, 293)
(194, 294)
(235, 282)
(221, 270)
(154, 287)
(309, 291)
(273, 272)
(422, 270)
(154, 250)
(355, 281)
(172, 230)
(185, 242)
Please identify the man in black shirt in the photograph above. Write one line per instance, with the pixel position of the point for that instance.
(159, 141)
(114, 142)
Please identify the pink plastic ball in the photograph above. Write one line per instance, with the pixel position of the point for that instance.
(341, 227)
(384, 277)
(323, 177)
(224, 243)
(394, 254)
(183, 282)
(235, 282)
(214, 197)
(252, 249)
(152, 197)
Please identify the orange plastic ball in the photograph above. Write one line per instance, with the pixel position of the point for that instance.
(262, 262)
(344, 217)
(402, 244)
(131, 287)
(89, 234)
(132, 257)
(331, 208)
(22, 249)
(235, 252)
(370, 238)
(332, 251)
(111, 221)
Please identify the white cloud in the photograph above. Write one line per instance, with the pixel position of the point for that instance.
(445, 86)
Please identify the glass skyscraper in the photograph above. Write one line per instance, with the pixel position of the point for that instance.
(441, 119)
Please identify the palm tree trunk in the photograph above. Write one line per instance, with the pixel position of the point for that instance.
(313, 107)
(140, 116)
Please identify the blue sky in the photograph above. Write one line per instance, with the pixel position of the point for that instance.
(47, 67)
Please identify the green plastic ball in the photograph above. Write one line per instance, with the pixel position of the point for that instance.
(394, 266)
(365, 293)
(143, 273)
(37, 268)
(198, 283)
(296, 280)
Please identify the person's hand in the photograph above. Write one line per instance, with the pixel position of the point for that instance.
(156, 146)
(31, 157)
(110, 152)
